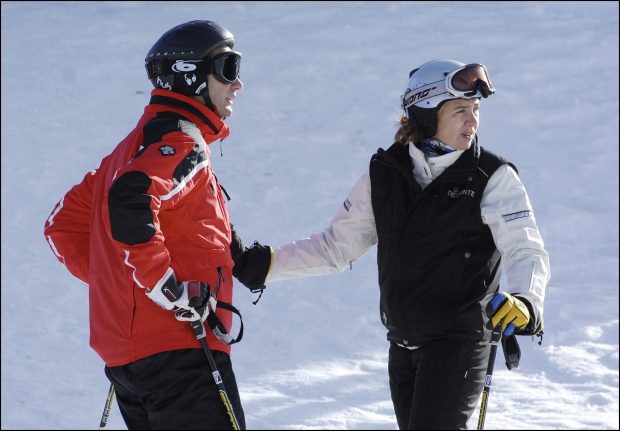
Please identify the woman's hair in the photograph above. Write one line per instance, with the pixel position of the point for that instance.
(408, 132)
(411, 130)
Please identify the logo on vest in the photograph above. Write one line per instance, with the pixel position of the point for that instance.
(456, 193)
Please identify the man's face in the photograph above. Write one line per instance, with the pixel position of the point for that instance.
(223, 95)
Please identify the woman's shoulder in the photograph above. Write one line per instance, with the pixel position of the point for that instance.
(489, 162)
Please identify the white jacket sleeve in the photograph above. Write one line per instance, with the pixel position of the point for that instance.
(506, 209)
(351, 233)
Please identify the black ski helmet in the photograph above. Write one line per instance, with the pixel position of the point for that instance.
(175, 60)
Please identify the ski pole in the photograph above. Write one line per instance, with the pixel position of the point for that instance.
(199, 331)
(107, 408)
(496, 336)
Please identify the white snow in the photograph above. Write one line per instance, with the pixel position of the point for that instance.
(322, 92)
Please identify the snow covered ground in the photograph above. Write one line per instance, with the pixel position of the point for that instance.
(322, 87)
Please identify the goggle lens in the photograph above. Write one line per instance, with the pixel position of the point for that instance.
(472, 78)
(226, 66)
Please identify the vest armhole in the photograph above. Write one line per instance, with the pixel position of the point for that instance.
(489, 162)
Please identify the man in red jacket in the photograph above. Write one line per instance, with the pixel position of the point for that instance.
(150, 225)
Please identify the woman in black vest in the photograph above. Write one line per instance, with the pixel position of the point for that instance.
(444, 212)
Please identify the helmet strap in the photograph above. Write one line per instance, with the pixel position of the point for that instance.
(207, 99)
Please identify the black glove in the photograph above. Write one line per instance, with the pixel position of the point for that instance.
(252, 266)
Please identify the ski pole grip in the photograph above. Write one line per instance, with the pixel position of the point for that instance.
(199, 329)
(496, 334)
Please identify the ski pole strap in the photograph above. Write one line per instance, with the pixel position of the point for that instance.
(512, 351)
(218, 328)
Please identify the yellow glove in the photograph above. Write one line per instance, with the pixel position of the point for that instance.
(510, 311)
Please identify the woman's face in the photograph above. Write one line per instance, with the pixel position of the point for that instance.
(457, 122)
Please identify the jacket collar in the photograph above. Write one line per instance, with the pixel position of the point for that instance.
(211, 126)
(470, 157)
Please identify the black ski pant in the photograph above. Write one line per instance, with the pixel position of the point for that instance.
(437, 386)
(175, 390)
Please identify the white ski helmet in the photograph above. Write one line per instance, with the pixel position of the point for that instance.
(437, 81)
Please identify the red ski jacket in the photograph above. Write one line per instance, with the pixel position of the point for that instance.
(152, 206)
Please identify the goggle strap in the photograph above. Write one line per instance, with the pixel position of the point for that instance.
(423, 93)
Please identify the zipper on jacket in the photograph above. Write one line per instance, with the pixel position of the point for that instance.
(220, 278)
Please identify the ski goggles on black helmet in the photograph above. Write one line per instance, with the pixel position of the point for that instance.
(225, 66)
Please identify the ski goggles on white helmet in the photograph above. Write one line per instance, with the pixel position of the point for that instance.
(466, 82)
(225, 66)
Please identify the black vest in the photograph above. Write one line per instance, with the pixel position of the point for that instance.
(438, 263)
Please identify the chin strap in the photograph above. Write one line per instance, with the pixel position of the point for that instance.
(204, 93)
